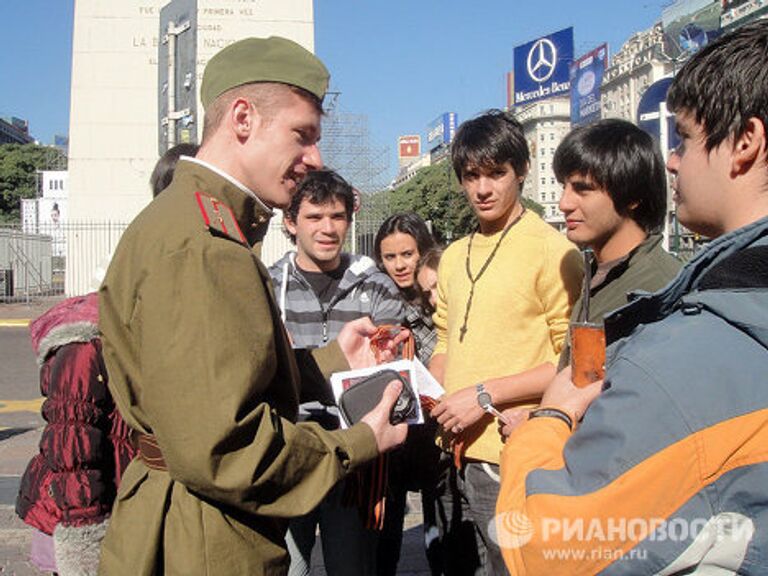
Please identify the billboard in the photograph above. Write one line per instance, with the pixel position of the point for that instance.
(541, 67)
(689, 25)
(654, 118)
(586, 77)
(46, 216)
(409, 146)
(441, 130)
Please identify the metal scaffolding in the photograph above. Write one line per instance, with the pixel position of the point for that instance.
(346, 147)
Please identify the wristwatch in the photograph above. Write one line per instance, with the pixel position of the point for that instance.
(486, 403)
(483, 398)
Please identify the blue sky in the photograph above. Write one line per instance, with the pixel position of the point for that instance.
(35, 64)
(401, 62)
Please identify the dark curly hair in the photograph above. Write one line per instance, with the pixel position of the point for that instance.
(319, 187)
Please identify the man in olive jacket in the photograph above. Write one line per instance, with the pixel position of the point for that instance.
(615, 202)
(199, 361)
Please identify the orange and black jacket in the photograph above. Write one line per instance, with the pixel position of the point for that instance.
(668, 472)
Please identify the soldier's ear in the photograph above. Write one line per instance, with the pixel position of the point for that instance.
(244, 118)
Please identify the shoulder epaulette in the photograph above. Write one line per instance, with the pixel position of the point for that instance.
(219, 218)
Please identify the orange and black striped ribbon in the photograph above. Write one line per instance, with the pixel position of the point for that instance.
(375, 476)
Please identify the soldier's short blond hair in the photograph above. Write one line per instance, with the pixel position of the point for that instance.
(266, 97)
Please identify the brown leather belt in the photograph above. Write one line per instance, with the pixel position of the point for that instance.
(149, 451)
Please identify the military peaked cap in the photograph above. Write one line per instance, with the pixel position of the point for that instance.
(272, 59)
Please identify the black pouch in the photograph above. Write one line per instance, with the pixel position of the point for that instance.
(364, 394)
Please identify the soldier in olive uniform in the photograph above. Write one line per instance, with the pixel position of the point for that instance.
(199, 361)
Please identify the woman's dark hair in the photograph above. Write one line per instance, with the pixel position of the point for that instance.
(163, 172)
(431, 259)
(406, 223)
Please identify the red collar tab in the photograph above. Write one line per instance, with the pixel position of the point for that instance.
(219, 218)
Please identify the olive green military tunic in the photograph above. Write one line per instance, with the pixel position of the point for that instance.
(198, 357)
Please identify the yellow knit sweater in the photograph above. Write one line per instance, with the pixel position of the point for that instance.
(519, 315)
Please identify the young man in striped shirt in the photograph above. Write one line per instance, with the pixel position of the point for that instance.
(319, 289)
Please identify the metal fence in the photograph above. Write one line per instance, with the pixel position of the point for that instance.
(27, 264)
(71, 258)
(45, 262)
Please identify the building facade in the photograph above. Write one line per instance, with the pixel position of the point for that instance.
(113, 136)
(738, 12)
(638, 64)
(14, 131)
(409, 171)
(545, 123)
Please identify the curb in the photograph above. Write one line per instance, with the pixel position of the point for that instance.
(33, 405)
(15, 323)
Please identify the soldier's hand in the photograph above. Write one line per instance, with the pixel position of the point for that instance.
(387, 435)
(355, 342)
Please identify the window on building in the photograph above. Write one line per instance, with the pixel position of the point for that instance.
(543, 166)
(541, 137)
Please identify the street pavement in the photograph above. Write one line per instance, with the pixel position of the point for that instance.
(21, 427)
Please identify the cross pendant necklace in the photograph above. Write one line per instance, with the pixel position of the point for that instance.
(473, 279)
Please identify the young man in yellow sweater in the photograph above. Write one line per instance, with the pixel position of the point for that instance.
(504, 298)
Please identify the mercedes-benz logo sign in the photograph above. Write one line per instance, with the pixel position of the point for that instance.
(542, 60)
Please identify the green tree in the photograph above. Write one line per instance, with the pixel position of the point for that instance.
(435, 194)
(19, 164)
